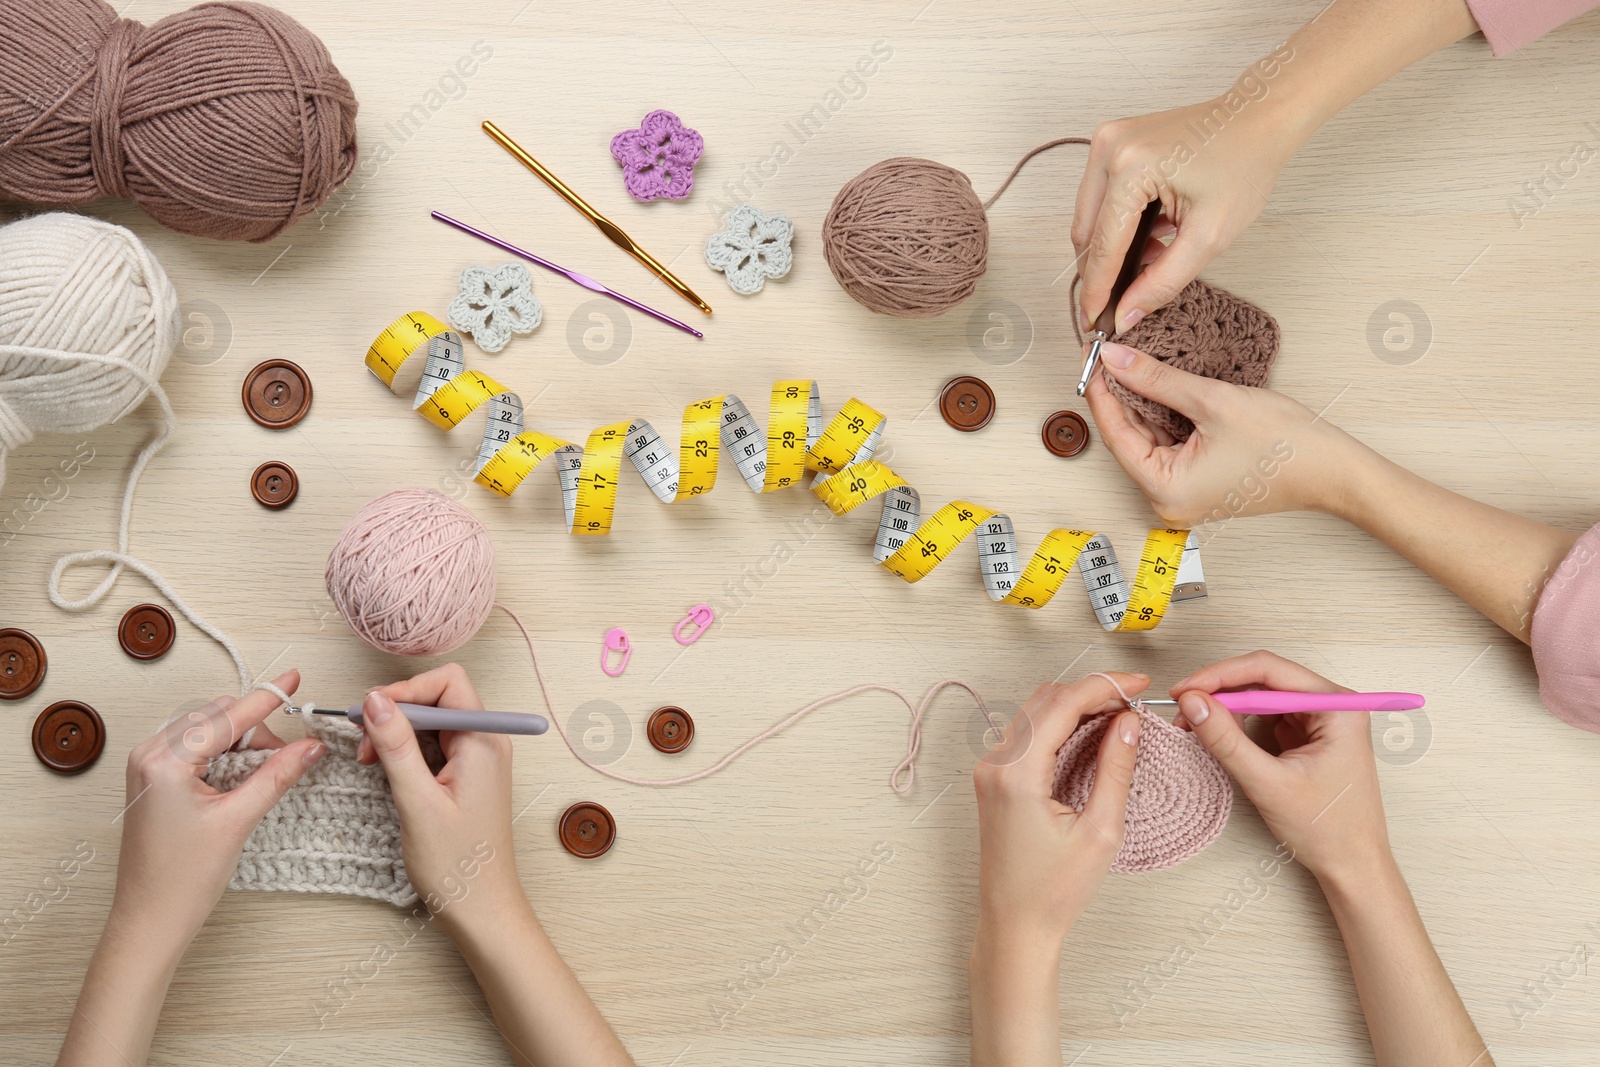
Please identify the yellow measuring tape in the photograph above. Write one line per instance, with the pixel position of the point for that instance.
(796, 442)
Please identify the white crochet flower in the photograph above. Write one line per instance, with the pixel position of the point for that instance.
(753, 248)
(494, 304)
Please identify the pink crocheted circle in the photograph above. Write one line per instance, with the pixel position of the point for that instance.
(658, 158)
(1180, 799)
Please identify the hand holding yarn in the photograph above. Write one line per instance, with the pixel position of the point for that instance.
(181, 842)
(1205, 331)
(1253, 452)
(1040, 861)
(1323, 757)
(228, 120)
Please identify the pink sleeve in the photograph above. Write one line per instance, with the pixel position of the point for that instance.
(1566, 636)
(1510, 24)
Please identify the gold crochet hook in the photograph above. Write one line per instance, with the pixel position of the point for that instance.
(603, 224)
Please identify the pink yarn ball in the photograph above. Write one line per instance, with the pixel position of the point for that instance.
(413, 573)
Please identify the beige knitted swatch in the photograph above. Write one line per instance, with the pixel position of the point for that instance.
(1181, 796)
(336, 831)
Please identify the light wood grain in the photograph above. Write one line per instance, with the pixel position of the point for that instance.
(1402, 197)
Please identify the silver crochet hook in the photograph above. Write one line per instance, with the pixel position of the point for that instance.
(1105, 327)
(426, 718)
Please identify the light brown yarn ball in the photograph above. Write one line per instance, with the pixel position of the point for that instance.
(907, 237)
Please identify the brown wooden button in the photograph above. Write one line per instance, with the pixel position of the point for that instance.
(1065, 433)
(146, 631)
(587, 830)
(22, 664)
(274, 484)
(670, 729)
(68, 736)
(277, 394)
(967, 403)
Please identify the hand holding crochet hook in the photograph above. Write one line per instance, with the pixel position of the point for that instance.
(1316, 788)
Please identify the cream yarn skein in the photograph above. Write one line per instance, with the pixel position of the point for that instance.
(88, 321)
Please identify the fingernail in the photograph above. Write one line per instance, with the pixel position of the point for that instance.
(1131, 321)
(314, 753)
(1083, 320)
(378, 709)
(1130, 729)
(1194, 709)
(1119, 356)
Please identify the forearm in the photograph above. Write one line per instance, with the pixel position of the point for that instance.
(1414, 1014)
(1014, 990)
(115, 1017)
(1354, 45)
(542, 1012)
(1495, 561)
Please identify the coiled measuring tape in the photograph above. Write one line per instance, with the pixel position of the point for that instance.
(796, 442)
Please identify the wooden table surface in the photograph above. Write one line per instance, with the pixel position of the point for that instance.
(1404, 197)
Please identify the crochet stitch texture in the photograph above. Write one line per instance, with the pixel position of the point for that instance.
(336, 831)
(754, 247)
(658, 158)
(1181, 796)
(1206, 331)
(494, 304)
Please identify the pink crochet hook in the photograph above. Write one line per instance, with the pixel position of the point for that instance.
(424, 717)
(1273, 702)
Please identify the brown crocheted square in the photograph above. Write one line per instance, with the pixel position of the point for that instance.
(1205, 331)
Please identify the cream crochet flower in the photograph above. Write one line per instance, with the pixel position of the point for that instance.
(753, 248)
(494, 304)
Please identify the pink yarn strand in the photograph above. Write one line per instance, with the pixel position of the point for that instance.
(906, 767)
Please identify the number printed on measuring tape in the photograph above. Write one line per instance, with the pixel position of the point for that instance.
(796, 443)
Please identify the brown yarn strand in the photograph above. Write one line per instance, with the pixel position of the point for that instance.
(228, 120)
(1023, 162)
(908, 237)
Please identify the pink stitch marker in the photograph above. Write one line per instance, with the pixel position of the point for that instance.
(616, 641)
(699, 617)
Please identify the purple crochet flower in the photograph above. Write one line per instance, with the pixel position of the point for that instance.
(658, 158)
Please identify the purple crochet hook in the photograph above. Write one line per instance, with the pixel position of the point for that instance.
(582, 279)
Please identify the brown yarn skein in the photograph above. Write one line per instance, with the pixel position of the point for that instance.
(228, 120)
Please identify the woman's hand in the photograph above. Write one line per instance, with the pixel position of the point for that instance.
(1040, 861)
(1253, 451)
(181, 841)
(181, 838)
(456, 836)
(1319, 794)
(1210, 190)
(455, 827)
(1040, 864)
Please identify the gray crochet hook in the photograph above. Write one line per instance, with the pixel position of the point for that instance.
(425, 718)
